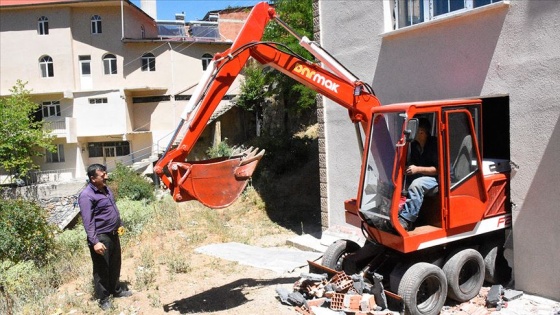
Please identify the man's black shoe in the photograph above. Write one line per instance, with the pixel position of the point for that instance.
(123, 293)
(105, 304)
(407, 225)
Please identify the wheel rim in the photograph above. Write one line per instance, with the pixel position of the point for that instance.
(428, 294)
(468, 275)
(340, 260)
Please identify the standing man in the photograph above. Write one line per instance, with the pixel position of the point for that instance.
(103, 225)
(421, 173)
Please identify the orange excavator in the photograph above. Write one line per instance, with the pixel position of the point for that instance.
(458, 238)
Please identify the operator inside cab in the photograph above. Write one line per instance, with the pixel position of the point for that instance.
(420, 173)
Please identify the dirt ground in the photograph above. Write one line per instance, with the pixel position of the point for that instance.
(216, 286)
(213, 286)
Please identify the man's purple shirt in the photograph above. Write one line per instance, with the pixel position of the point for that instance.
(99, 212)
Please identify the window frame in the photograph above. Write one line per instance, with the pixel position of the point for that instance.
(206, 59)
(97, 149)
(43, 26)
(85, 60)
(47, 108)
(57, 156)
(110, 62)
(427, 10)
(97, 100)
(46, 66)
(96, 24)
(148, 62)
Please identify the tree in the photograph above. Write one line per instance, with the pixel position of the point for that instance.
(260, 83)
(21, 137)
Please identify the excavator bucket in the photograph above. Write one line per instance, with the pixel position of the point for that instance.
(216, 183)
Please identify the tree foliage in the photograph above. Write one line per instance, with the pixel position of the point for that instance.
(299, 16)
(21, 137)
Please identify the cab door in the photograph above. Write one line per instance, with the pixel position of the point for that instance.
(466, 195)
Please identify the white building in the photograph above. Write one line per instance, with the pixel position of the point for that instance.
(506, 52)
(111, 88)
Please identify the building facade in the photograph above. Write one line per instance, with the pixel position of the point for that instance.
(504, 52)
(110, 86)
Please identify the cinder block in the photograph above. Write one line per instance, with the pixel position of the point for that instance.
(512, 294)
(494, 295)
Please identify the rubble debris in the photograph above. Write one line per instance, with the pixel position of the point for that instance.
(494, 295)
(334, 292)
(510, 294)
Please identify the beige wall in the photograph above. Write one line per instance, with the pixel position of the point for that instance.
(21, 47)
(506, 49)
(146, 126)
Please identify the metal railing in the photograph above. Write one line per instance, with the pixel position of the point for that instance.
(40, 177)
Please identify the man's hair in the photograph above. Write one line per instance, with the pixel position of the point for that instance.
(424, 123)
(92, 169)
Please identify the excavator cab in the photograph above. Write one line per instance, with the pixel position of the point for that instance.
(466, 198)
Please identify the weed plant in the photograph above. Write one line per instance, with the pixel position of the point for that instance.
(167, 232)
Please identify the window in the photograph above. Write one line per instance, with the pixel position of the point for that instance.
(142, 31)
(97, 149)
(51, 108)
(206, 59)
(96, 24)
(101, 100)
(462, 156)
(85, 65)
(148, 62)
(57, 156)
(43, 26)
(411, 12)
(110, 64)
(47, 67)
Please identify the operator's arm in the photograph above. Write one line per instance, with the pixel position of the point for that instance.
(423, 170)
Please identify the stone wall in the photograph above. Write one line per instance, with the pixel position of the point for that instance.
(58, 199)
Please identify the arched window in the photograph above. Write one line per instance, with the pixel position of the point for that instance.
(47, 66)
(96, 24)
(148, 62)
(142, 31)
(206, 58)
(110, 64)
(43, 26)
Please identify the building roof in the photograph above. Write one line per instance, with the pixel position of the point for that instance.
(6, 3)
(29, 3)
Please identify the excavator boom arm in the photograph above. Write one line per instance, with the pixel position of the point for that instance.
(217, 183)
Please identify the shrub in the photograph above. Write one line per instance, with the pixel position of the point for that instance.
(125, 183)
(135, 215)
(25, 233)
(20, 279)
(72, 241)
(222, 149)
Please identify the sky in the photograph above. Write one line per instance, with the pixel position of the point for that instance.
(194, 9)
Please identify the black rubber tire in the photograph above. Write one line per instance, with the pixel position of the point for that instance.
(496, 267)
(423, 288)
(334, 255)
(464, 271)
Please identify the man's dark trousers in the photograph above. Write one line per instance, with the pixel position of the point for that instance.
(106, 267)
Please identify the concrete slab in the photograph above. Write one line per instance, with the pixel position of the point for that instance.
(307, 242)
(277, 259)
(531, 304)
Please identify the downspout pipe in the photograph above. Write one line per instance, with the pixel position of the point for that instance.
(122, 20)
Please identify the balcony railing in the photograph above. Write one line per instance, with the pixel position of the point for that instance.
(57, 127)
(39, 177)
